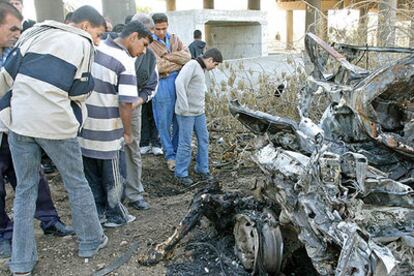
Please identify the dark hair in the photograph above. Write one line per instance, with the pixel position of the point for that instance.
(118, 28)
(215, 54)
(7, 8)
(159, 18)
(128, 19)
(68, 17)
(135, 26)
(88, 13)
(197, 34)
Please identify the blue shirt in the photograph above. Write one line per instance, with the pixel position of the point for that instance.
(167, 42)
(4, 55)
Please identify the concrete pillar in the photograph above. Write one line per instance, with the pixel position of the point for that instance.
(207, 35)
(208, 4)
(412, 33)
(363, 25)
(171, 5)
(253, 5)
(387, 17)
(312, 15)
(289, 29)
(49, 10)
(118, 10)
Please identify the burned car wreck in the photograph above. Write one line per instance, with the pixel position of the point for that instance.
(343, 185)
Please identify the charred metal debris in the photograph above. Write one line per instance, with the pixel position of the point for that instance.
(341, 188)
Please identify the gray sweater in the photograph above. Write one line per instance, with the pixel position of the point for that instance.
(191, 89)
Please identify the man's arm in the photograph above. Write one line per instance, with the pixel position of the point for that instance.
(150, 88)
(180, 57)
(128, 99)
(164, 66)
(181, 83)
(9, 71)
(125, 112)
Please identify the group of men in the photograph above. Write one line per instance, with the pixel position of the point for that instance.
(80, 100)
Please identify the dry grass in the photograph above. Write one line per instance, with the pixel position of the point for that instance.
(259, 95)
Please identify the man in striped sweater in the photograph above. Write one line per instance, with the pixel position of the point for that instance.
(44, 84)
(110, 111)
(10, 22)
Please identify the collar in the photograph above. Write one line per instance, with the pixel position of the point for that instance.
(166, 43)
(112, 43)
(201, 62)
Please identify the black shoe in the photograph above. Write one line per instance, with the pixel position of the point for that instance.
(59, 229)
(205, 176)
(48, 166)
(140, 204)
(185, 181)
(5, 249)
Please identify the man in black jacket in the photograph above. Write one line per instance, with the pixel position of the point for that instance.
(147, 80)
(198, 46)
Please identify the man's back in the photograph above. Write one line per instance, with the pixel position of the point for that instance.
(50, 70)
(197, 48)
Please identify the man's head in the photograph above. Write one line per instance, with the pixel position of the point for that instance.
(10, 25)
(212, 58)
(161, 24)
(18, 4)
(135, 38)
(197, 34)
(89, 20)
(144, 19)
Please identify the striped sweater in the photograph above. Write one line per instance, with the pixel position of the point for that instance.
(115, 82)
(46, 80)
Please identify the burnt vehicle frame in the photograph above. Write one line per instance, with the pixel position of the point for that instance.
(342, 185)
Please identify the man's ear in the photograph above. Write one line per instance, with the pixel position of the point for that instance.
(85, 25)
(132, 36)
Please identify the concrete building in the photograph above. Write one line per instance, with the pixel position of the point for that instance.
(238, 34)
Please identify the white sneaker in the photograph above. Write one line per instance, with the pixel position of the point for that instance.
(145, 150)
(131, 218)
(109, 224)
(157, 151)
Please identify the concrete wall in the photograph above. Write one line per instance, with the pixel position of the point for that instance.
(236, 40)
(237, 33)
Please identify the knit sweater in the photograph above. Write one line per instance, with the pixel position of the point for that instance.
(191, 89)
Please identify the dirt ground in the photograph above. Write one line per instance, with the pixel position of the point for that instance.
(169, 202)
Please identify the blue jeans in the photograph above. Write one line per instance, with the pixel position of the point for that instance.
(66, 155)
(187, 124)
(163, 106)
(45, 210)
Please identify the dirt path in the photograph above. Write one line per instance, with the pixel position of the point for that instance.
(58, 256)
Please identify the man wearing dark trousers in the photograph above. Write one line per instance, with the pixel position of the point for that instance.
(10, 26)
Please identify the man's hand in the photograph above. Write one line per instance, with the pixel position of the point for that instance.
(128, 139)
(139, 102)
